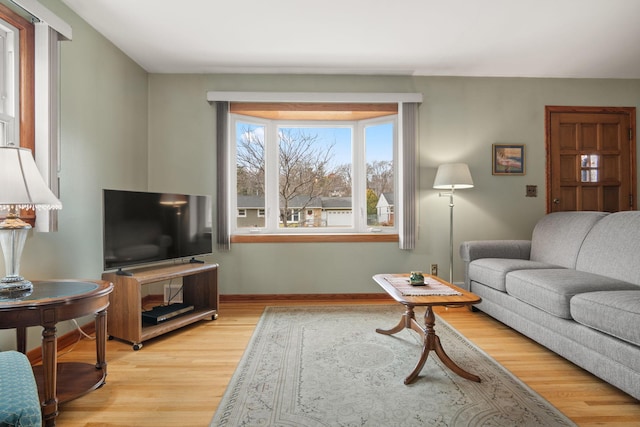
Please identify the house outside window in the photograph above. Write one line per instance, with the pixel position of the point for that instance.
(384, 209)
(292, 218)
(250, 212)
(317, 175)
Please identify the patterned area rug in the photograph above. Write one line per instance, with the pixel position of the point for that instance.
(326, 366)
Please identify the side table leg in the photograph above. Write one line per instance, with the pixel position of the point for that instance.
(50, 372)
(21, 339)
(101, 340)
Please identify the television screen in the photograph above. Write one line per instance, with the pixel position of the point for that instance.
(144, 227)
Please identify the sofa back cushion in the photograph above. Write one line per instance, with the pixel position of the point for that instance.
(557, 237)
(611, 248)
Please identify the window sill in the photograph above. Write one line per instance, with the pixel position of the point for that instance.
(314, 238)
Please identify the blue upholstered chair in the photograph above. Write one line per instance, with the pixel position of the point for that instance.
(19, 401)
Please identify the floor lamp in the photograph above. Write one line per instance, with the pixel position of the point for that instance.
(452, 176)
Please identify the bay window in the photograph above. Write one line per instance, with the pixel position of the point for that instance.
(313, 177)
(316, 167)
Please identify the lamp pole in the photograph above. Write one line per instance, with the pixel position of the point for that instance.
(451, 235)
(450, 194)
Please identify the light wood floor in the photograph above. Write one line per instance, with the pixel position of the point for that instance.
(179, 379)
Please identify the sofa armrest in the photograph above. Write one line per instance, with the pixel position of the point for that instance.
(476, 249)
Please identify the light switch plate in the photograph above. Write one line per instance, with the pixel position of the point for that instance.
(532, 191)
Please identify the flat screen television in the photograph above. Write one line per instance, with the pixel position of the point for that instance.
(144, 227)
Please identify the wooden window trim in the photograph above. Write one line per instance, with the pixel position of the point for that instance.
(26, 75)
(314, 238)
(313, 110)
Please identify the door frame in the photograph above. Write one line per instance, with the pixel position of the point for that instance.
(630, 111)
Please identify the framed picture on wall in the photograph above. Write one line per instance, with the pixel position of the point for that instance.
(508, 159)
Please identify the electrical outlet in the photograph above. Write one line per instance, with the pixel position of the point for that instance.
(434, 269)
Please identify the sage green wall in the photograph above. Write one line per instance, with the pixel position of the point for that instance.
(103, 133)
(123, 128)
(460, 119)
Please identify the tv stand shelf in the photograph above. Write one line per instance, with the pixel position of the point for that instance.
(200, 289)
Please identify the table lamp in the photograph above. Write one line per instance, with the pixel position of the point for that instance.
(452, 176)
(21, 187)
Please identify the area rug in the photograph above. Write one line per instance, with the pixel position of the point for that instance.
(326, 366)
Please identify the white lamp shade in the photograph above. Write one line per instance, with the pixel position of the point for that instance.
(21, 184)
(453, 176)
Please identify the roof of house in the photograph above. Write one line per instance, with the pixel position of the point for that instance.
(336, 202)
(298, 202)
(388, 197)
(250, 202)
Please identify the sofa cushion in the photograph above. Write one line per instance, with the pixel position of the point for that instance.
(493, 271)
(552, 289)
(615, 313)
(557, 237)
(611, 248)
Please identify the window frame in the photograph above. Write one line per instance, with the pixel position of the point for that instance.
(358, 160)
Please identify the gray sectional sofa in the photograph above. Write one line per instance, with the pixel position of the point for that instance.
(574, 288)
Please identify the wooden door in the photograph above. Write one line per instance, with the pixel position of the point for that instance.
(591, 159)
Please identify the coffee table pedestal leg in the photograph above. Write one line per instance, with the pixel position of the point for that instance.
(431, 341)
(407, 321)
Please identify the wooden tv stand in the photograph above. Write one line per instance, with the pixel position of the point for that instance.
(200, 289)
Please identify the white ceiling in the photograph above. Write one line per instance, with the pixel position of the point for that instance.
(519, 38)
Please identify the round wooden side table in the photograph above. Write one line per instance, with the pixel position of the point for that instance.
(52, 302)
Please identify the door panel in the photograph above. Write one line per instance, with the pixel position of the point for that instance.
(590, 159)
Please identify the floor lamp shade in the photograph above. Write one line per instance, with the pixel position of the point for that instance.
(21, 187)
(452, 176)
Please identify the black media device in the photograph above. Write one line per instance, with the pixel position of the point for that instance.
(165, 312)
(142, 227)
